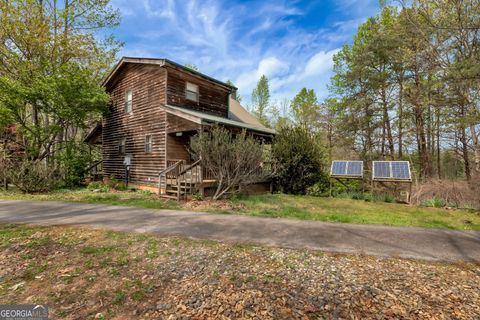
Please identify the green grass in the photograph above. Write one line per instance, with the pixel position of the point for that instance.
(284, 206)
(355, 211)
(139, 199)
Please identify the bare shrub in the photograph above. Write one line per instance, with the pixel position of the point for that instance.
(234, 160)
(32, 176)
(458, 193)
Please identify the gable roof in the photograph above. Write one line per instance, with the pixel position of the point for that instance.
(161, 62)
(239, 113)
(206, 118)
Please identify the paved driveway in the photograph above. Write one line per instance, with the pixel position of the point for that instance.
(419, 243)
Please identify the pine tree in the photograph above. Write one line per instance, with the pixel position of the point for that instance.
(261, 100)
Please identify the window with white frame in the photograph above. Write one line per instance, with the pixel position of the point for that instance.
(128, 101)
(148, 143)
(191, 92)
(122, 143)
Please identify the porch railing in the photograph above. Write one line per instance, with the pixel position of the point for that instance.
(180, 179)
(96, 169)
(171, 172)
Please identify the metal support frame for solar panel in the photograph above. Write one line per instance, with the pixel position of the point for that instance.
(392, 171)
(346, 169)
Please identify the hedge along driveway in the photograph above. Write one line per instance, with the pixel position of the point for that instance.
(428, 244)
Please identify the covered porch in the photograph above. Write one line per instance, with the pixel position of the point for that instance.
(183, 175)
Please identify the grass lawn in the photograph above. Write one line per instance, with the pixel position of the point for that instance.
(356, 211)
(83, 273)
(139, 199)
(282, 206)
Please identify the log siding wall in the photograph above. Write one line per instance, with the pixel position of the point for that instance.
(152, 87)
(213, 98)
(148, 85)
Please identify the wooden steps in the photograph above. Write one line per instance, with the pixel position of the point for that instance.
(180, 180)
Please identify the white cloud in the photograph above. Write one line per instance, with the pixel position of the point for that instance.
(320, 63)
(314, 74)
(271, 67)
(165, 9)
(240, 41)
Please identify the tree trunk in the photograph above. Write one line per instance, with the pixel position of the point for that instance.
(423, 152)
(476, 149)
(466, 160)
(387, 128)
(439, 158)
(400, 120)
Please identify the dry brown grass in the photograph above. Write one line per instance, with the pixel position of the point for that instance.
(83, 273)
(458, 193)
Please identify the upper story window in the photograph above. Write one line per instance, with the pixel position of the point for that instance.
(128, 101)
(148, 143)
(191, 92)
(122, 145)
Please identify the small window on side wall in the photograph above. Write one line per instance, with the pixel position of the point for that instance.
(122, 145)
(191, 92)
(128, 101)
(148, 143)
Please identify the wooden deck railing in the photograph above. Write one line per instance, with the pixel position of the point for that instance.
(96, 169)
(184, 179)
(171, 172)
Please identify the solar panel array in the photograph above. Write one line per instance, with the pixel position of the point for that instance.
(391, 170)
(344, 168)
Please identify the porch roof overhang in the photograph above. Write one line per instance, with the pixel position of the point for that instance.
(208, 119)
(95, 135)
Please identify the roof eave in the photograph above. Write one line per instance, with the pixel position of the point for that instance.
(257, 130)
(125, 60)
(162, 62)
(197, 118)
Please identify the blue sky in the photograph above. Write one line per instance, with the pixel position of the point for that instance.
(291, 42)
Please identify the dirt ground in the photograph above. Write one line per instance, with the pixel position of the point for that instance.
(83, 273)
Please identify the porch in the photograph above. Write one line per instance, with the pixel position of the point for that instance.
(183, 176)
(181, 180)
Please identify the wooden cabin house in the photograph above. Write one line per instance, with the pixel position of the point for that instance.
(157, 105)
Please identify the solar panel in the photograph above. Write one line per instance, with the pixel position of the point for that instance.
(401, 170)
(344, 168)
(391, 170)
(355, 168)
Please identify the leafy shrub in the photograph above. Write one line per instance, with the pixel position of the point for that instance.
(96, 185)
(121, 186)
(73, 160)
(197, 196)
(297, 160)
(434, 202)
(351, 195)
(32, 176)
(114, 183)
(319, 189)
(388, 198)
(368, 197)
(355, 195)
(347, 186)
